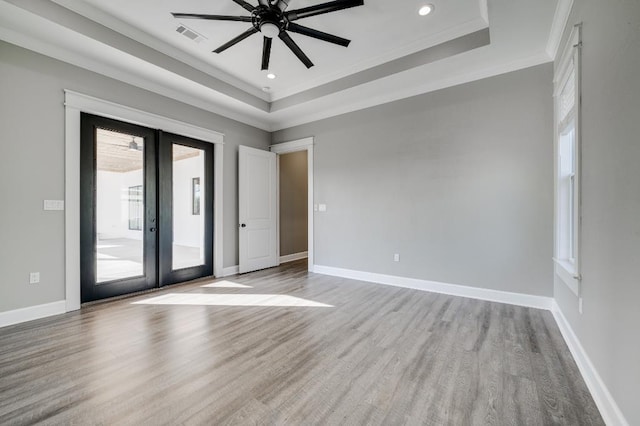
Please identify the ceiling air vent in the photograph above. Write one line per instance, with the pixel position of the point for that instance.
(190, 34)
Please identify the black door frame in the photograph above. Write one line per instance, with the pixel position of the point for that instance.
(90, 289)
(167, 275)
(158, 201)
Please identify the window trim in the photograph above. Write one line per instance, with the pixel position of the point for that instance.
(569, 270)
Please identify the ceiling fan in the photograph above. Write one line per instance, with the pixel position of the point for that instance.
(272, 19)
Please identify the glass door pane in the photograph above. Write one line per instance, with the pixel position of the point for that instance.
(186, 208)
(118, 199)
(188, 195)
(120, 205)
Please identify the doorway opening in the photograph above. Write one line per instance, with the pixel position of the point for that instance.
(292, 199)
(294, 159)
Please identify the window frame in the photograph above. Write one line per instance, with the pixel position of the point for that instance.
(196, 190)
(567, 235)
(136, 205)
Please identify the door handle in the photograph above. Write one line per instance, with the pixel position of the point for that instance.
(152, 229)
(243, 225)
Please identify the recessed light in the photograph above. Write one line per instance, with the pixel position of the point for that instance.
(271, 76)
(266, 88)
(426, 9)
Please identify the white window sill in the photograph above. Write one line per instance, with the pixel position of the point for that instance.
(567, 273)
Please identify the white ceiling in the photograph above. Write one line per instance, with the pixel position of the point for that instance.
(403, 31)
(137, 42)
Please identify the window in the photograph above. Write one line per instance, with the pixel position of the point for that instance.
(195, 196)
(567, 119)
(136, 210)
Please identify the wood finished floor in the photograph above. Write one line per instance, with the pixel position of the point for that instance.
(379, 355)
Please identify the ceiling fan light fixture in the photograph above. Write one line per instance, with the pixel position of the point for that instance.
(426, 9)
(133, 145)
(269, 29)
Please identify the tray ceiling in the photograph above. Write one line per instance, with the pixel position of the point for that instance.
(394, 52)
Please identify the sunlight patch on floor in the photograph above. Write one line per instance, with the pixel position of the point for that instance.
(226, 284)
(276, 300)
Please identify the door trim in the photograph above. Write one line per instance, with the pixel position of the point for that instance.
(305, 144)
(75, 103)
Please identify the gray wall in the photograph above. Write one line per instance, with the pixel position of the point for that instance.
(609, 325)
(32, 165)
(293, 203)
(459, 182)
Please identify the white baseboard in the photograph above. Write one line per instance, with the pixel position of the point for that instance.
(531, 301)
(609, 410)
(294, 256)
(230, 270)
(32, 313)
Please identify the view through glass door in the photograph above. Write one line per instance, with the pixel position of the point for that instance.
(147, 208)
(186, 216)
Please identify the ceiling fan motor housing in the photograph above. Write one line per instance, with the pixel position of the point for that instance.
(270, 22)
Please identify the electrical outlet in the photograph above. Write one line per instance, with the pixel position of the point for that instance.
(34, 277)
(396, 257)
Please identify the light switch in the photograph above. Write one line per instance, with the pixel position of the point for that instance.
(315, 207)
(53, 205)
(322, 207)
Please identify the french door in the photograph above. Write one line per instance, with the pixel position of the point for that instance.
(146, 208)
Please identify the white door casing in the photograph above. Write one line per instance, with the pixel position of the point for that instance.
(305, 144)
(257, 190)
(75, 103)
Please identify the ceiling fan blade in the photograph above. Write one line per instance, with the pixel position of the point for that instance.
(295, 49)
(245, 5)
(212, 17)
(310, 32)
(266, 53)
(264, 3)
(319, 9)
(281, 4)
(236, 40)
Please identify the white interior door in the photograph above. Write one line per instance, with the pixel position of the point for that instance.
(257, 191)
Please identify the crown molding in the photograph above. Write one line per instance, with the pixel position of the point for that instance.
(372, 95)
(433, 40)
(560, 19)
(52, 30)
(34, 32)
(91, 12)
